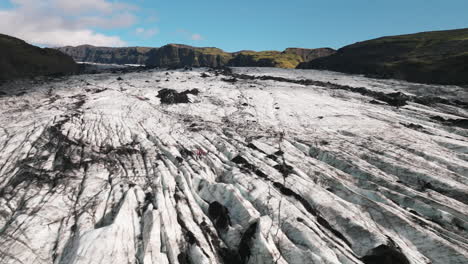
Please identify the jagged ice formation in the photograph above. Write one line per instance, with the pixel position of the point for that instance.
(95, 169)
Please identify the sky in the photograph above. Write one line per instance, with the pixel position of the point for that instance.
(230, 25)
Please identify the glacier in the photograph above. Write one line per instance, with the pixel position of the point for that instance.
(257, 167)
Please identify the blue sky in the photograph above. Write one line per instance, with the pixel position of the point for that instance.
(232, 26)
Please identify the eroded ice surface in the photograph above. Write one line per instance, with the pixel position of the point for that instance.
(96, 170)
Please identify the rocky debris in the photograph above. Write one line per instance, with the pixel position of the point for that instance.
(246, 243)
(461, 122)
(104, 173)
(219, 214)
(170, 96)
(223, 71)
(396, 99)
(384, 254)
(413, 126)
(229, 80)
(95, 91)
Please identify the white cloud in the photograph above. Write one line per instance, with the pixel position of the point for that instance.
(67, 22)
(196, 37)
(76, 7)
(146, 33)
(189, 35)
(123, 20)
(56, 38)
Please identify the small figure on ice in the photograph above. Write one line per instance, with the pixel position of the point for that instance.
(199, 153)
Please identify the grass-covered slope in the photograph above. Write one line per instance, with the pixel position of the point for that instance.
(183, 55)
(439, 57)
(266, 59)
(290, 58)
(18, 59)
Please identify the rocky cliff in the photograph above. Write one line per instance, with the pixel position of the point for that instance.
(177, 55)
(19, 59)
(429, 57)
(88, 53)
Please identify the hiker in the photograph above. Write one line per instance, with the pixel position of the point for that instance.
(200, 152)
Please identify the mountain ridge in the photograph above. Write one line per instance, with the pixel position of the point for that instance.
(120, 55)
(437, 57)
(19, 59)
(177, 55)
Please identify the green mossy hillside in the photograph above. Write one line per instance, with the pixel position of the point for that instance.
(439, 57)
(19, 59)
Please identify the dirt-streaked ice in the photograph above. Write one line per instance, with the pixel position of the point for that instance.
(97, 170)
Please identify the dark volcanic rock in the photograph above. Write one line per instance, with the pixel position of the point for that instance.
(245, 245)
(462, 123)
(384, 254)
(170, 96)
(229, 80)
(219, 214)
